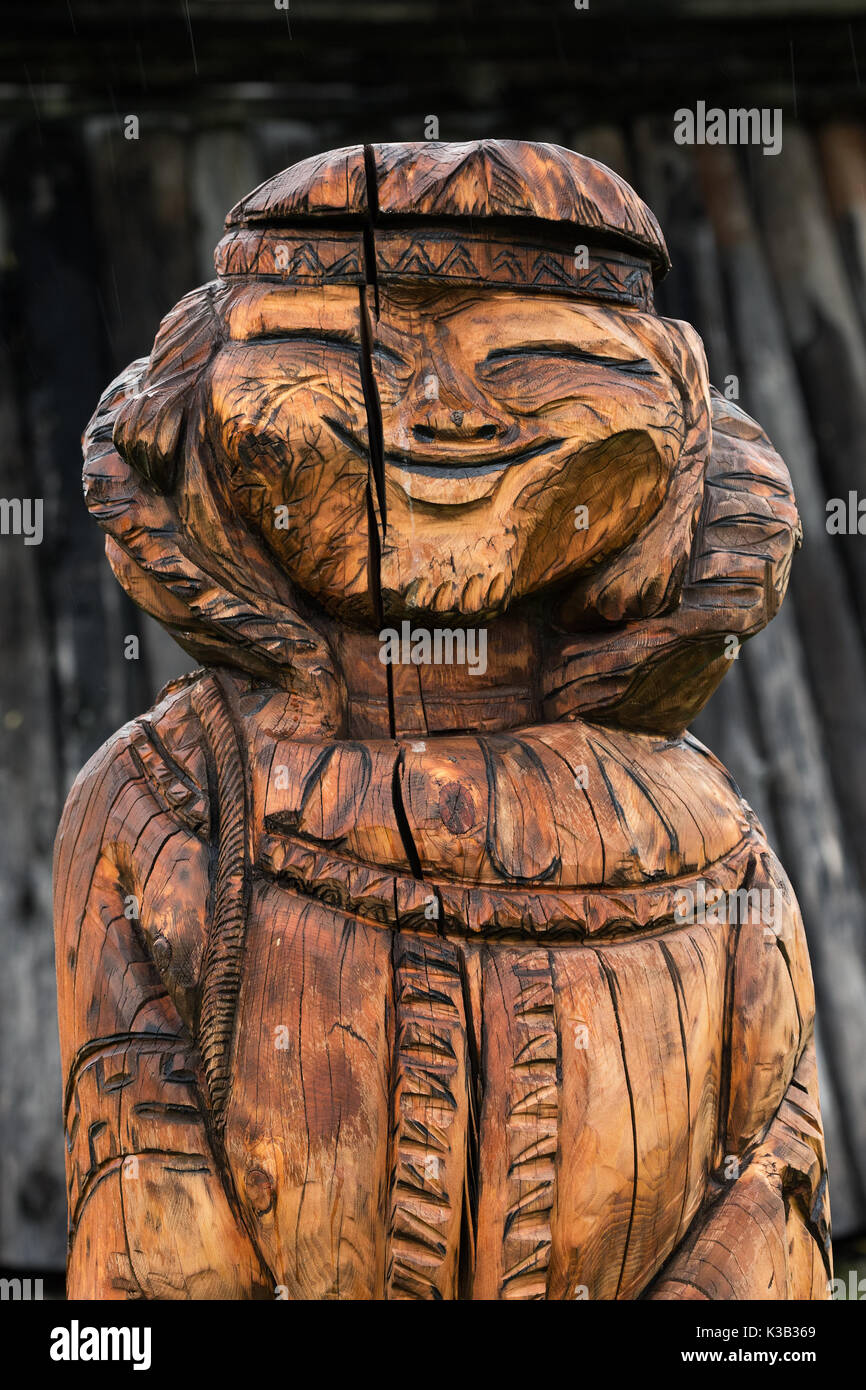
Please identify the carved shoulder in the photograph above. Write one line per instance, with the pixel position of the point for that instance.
(131, 874)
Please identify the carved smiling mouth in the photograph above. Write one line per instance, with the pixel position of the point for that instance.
(452, 462)
(470, 464)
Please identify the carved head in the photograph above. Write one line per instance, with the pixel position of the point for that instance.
(429, 379)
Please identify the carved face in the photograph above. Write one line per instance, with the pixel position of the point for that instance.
(526, 438)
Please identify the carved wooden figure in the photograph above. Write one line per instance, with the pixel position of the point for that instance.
(411, 947)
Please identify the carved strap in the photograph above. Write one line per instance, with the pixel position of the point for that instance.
(230, 889)
(532, 1122)
(430, 1098)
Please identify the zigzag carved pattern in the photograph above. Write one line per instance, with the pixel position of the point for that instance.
(314, 258)
(532, 1130)
(429, 1118)
(308, 258)
(522, 265)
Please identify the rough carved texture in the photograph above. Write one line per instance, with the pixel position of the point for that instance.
(383, 966)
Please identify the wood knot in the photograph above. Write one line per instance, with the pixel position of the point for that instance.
(260, 1190)
(457, 808)
(161, 953)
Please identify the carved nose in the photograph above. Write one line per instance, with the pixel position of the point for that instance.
(457, 424)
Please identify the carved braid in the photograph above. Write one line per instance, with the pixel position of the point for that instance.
(221, 973)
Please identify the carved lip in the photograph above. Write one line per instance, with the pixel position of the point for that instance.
(477, 462)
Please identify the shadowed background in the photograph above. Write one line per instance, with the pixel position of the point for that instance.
(100, 235)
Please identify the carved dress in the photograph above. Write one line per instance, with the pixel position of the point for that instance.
(540, 1087)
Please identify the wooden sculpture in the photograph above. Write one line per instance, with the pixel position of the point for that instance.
(411, 948)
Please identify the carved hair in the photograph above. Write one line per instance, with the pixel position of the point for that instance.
(173, 544)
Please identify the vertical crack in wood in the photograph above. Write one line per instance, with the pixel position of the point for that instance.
(392, 1023)
(372, 191)
(374, 556)
(782, 948)
(472, 1160)
(728, 1020)
(610, 977)
(679, 997)
(410, 849)
(124, 1224)
(373, 409)
(375, 490)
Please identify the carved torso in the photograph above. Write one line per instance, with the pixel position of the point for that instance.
(451, 950)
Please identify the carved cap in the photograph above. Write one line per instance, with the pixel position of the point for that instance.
(418, 197)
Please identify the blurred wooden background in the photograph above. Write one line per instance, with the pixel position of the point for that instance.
(100, 235)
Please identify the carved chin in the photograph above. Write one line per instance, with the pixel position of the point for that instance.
(532, 537)
(475, 582)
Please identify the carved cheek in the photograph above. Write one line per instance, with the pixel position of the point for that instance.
(590, 506)
(293, 454)
(278, 415)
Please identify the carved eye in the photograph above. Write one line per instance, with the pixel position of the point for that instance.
(522, 355)
(394, 363)
(302, 340)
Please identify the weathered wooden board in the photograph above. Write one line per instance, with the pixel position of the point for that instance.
(826, 333)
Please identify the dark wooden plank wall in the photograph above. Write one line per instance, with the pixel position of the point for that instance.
(100, 235)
